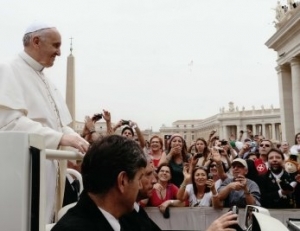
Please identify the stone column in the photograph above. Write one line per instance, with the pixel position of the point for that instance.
(286, 102)
(254, 129)
(295, 66)
(273, 132)
(263, 130)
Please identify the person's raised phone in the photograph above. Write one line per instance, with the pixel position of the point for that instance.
(198, 155)
(234, 209)
(125, 122)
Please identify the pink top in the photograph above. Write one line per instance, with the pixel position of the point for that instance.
(171, 193)
(156, 162)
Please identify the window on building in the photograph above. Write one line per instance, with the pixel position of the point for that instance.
(192, 125)
(184, 126)
(177, 126)
(193, 137)
(184, 137)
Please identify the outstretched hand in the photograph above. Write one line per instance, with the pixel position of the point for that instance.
(74, 141)
(223, 222)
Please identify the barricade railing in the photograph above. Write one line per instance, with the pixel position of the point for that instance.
(22, 179)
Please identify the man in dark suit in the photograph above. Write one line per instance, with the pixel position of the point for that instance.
(138, 219)
(111, 173)
(276, 185)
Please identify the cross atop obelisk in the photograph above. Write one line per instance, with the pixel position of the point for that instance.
(71, 45)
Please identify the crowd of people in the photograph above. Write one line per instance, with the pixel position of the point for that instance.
(121, 173)
(216, 172)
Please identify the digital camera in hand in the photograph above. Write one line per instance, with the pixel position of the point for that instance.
(286, 187)
(125, 122)
(97, 117)
(198, 155)
(224, 142)
(210, 176)
(167, 137)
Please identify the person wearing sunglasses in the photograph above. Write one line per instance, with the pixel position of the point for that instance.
(261, 163)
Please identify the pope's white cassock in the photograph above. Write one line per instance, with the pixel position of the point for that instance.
(30, 102)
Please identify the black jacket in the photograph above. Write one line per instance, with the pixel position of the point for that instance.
(269, 191)
(138, 221)
(84, 216)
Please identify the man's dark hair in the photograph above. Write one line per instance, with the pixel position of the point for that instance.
(127, 128)
(106, 158)
(277, 151)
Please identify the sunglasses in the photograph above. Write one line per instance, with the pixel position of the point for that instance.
(265, 145)
(213, 165)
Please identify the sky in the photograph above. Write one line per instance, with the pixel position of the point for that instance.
(156, 61)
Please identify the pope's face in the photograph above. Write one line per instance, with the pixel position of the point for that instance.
(49, 47)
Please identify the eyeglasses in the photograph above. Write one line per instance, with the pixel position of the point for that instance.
(213, 166)
(264, 145)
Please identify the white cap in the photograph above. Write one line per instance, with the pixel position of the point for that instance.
(36, 25)
(241, 161)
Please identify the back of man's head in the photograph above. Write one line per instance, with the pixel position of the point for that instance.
(108, 157)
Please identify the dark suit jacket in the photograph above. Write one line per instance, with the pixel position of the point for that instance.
(84, 216)
(269, 191)
(138, 221)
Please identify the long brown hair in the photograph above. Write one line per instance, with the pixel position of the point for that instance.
(205, 151)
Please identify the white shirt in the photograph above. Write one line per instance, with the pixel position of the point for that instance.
(114, 223)
(194, 202)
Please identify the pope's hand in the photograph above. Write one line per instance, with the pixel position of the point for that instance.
(74, 141)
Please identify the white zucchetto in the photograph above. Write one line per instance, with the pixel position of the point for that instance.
(36, 25)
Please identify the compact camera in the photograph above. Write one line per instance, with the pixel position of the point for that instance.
(167, 137)
(125, 122)
(224, 142)
(97, 117)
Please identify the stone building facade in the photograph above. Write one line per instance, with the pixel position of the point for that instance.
(262, 121)
(286, 42)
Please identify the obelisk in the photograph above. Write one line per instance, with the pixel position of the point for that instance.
(70, 86)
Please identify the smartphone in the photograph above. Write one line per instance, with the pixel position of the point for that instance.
(198, 155)
(234, 209)
(210, 176)
(125, 122)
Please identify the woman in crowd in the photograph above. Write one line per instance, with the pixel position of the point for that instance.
(156, 150)
(203, 151)
(215, 166)
(296, 147)
(177, 156)
(201, 191)
(164, 193)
